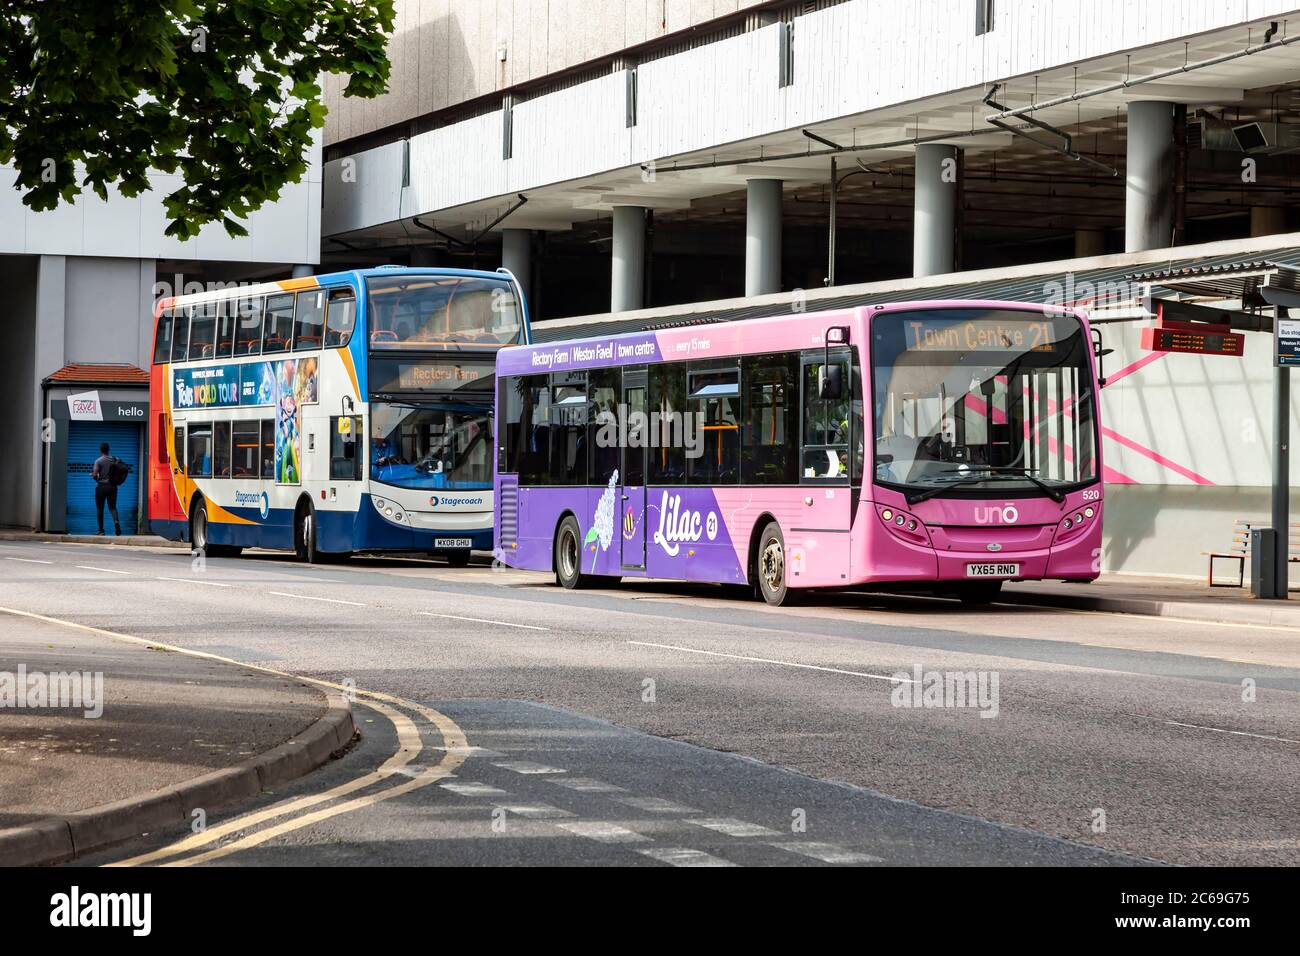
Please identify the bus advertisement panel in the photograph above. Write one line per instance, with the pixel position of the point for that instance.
(320, 414)
(951, 445)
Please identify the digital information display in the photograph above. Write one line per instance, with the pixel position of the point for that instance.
(1193, 341)
(1286, 342)
(981, 335)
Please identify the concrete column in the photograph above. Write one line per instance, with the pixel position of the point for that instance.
(763, 236)
(934, 209)
(517, 256)
(1089, 242)
(303, 271)
(1267, 220)
(1149, 177)
(627, 278)
(48, 356)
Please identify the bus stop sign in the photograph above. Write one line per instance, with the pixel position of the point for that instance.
(1286, 342)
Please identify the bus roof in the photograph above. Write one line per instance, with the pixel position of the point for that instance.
(768, 333)
(324, 280)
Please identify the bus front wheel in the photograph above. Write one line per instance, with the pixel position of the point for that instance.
(199, 535)
(568, 556)
(769, 568)
(305, 536)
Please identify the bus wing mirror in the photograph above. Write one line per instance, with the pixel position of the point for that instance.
(830, 381)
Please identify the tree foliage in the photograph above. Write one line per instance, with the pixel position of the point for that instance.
(225, 93)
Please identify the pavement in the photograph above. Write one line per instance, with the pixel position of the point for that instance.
(692, 727)
(140, 734)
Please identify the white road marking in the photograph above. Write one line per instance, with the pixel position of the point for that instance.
(469, 788)
(655, 805)
(768, 660)
(1216, 730)
(525, 766)
(28, 560)
(536, 811)
(211, 584)
(829, 853)
(603, 832)
(733, 827)
(681, 856)
(480, 620)
(91, 567)
(587, 785)
(309, 597)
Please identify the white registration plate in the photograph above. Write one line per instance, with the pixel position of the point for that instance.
(991, 570)
(452, 543)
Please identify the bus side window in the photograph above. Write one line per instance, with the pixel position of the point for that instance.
(181, 333)
(178, 440)
(268, 448)
(340, 317)
(221, 450)
(162, 339)
(203, 329)
(246, 441)
(278, 328)
(345, 451)
(309, 321)
(226, 328)
(163, 458)
(248, 337)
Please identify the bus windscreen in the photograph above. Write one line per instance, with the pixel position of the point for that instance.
(428, 312)
(981, 399)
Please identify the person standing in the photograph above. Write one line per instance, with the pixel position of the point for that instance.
(105, 490)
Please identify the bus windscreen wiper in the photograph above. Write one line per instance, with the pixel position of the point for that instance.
(988, 472)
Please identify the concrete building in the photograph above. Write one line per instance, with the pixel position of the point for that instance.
(82, 281)
(651, 154)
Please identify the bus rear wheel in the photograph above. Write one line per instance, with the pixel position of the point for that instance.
(568, 556)
(199, 539)
(769, 568)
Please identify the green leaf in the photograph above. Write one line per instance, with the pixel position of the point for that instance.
(592, 535)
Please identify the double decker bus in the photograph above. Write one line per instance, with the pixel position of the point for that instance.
(331, 414)
(940, 445)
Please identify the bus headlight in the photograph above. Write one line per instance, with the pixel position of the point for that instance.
(904, 526)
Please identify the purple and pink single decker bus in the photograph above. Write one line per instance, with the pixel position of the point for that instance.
(947, 446)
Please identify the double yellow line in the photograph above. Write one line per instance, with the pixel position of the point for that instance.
(410, 746)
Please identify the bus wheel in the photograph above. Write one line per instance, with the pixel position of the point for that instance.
(568, 556)
(305, 536)
(770, 567)
(199, 528)
(975, 593)
(457, 559)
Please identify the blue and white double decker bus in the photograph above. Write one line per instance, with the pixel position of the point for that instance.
(331, 414)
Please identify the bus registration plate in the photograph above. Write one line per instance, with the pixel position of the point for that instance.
(992, 570)
(452, 543)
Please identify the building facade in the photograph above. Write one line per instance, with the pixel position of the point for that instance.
(632, 158)
(83, 280)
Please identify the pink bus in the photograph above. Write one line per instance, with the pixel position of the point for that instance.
(946, 446)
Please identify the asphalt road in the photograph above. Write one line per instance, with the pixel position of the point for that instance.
(670, 724)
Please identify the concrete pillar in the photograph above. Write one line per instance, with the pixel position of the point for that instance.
(303, 271)
(1089, 242)
(48, 356)
(1267, 220)
(627, 278)
(763, 236)
(1149, 177)
(517, 256)
(934, 209)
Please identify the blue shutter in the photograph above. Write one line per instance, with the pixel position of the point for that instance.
(84, 439)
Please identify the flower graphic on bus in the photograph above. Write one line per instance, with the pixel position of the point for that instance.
(602, 526)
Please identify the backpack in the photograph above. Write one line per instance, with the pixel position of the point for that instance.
(118, 471)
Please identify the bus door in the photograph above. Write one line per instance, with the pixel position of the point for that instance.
(817, 546)
(632, 469)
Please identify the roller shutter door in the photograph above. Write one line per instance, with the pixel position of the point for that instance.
(84, 439)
